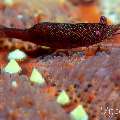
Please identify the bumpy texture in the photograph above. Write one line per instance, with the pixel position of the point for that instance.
(94, 83)
(26, 102)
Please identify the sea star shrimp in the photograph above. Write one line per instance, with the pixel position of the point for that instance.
(63, 35)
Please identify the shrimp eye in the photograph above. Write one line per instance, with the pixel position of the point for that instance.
(103, 20)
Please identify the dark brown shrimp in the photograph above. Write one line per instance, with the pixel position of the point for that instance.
(63, 35)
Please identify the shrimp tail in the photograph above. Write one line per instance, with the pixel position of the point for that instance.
(13, 33)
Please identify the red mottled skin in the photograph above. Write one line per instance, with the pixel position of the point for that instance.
(63, 35)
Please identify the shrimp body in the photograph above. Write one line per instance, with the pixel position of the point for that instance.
(64, 35)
